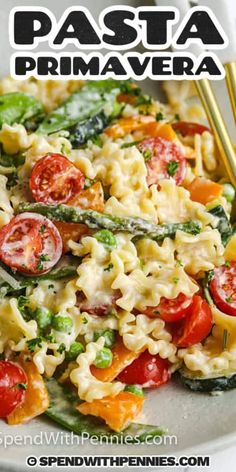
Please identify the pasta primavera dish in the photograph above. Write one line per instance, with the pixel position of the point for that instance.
(117, 253)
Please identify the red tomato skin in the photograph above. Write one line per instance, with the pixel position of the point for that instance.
(149, 371)
(187, 128)
(26, 256)
(54, 179)
(219, 294)
(11, 395)
(170, 310)
(163, 152)
(99, 309)
(196, 326)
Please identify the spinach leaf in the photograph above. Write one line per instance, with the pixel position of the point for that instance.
(89, 129)
(66, 268)
(223, 223)
(17, 107)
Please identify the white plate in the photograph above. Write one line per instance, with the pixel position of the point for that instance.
(202, 423)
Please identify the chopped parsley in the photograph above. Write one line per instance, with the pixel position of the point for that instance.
(50, 338)
(147, 154)
(229, 299)
(227, 264)
(177, 117)
(209, 276)
(42, 258)
(23, 307)
(12, 180)
(175, 280)
(109, 267)
(84, 320)
(112, 312)
(88, 183)
(159, 116)
(130, 88)
(33, 343)
(225, 338)
(22, 302)
(142, 264)
(172, 167)
(61, 348)
(156, 312)
(63, 148)
(22, 386)
(143, 100)
(42, 229)
(179, 263)
(50, 286)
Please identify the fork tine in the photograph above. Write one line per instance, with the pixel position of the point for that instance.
(206, 94)
(217, 123)
(223, 12)
(230, 69)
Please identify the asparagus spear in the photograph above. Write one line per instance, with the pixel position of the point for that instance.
(96, 220)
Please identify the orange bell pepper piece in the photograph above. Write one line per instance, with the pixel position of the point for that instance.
(204, 190)
(126, 98)
(68, 231)
(128, 125)
(117, 411)
(147, 124)
(161, 130)
(92, 198)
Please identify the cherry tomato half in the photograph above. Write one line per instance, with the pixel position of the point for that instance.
(13, 382)
(30, 243)
(164, 159)
(147, 370)
(170, 310)
(223, 288)
(54, 179)
(195, 326)
(187, 128)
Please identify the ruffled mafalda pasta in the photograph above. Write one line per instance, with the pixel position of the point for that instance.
(136, 284)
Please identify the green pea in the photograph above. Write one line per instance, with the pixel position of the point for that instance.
(103, 358)
(76, 348)
(63, 324)
(228, 192)
(107, 238)
(135, 389)
(108, 334)
(44, 317)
